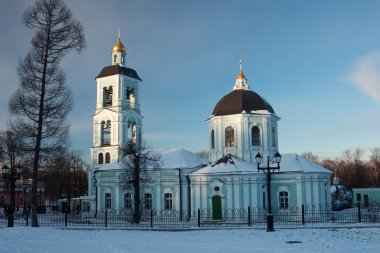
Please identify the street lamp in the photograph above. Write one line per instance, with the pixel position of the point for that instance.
(268, 171)
(11, 178)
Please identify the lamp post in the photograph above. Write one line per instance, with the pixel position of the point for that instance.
(11, 176)
(268, 171)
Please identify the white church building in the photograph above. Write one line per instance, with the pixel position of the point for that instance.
(241, 125)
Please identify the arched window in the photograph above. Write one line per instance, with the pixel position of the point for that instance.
(148, 201)
(212, 139)
(134, 133)
(168, 200)
(107, 96)
(108, 157)
(255, 132)
(106, 132)
(108, 200)
(230, 138)
(273, 137)
(284, 199)
(127, 200)
(100, 158)
(114, 57)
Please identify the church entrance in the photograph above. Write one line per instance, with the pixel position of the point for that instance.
(217, 208)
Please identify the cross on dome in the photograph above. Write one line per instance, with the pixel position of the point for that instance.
(241, 80)
(119, 47)
(119, 32)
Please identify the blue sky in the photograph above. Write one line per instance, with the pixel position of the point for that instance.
(316, 62)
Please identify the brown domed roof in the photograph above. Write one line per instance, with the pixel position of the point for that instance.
(240, 100)
(117, 69)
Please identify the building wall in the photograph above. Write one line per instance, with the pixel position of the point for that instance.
(242, 125)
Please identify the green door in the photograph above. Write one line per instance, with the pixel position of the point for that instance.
(217, 208)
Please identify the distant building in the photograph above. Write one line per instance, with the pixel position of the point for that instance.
(366, 196)
(241, 125)
(23, 191)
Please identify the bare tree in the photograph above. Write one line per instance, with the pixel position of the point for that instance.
(137, 162)
(12, 148)
(310, 156)
(375, 159)
(41, 104)
(65, 175)
(203, 153)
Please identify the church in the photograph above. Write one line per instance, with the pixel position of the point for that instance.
(241, 125)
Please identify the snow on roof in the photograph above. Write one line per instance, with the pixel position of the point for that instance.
(289, 163)
(227, 165)
(297, 163)
(169, 159)
(180, 158)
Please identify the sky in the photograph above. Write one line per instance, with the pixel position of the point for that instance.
(316, 62)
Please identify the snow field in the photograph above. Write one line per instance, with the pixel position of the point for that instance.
(41, 240)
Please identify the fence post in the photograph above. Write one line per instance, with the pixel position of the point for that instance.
(151, 218)
(65, 219)
(199, 218)
(106, 218)
(359, 213)
(303, 214)
(249, 216)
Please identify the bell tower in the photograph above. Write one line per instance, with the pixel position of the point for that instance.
(117, 120)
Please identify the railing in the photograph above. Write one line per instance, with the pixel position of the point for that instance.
(306, 215)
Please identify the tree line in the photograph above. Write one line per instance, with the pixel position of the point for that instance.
(351, 169)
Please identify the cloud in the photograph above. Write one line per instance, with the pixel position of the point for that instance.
(366, 75)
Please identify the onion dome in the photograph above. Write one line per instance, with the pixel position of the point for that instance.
(119, 47)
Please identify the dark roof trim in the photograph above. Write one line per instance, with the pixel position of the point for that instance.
(117, 69)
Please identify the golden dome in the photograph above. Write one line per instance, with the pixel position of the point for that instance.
(241, 75)
(119, 47)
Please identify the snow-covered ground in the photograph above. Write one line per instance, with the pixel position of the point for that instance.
(41, 240)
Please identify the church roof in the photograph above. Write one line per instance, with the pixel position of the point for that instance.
(117, 69)
(180, 158)
(169, 159)
(240, 100)
(232, 165)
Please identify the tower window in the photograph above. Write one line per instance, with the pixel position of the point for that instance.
(256, 140)
(107, 96)
(114, 57)
(168, 199)
(108, 157)
(132, 135)
(148, 201)
(106, 133)
(212, 139)
(108, 200)
(230, 138)
(284, 200)
(100, 158)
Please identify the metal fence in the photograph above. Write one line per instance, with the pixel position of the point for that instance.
(306, 215)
